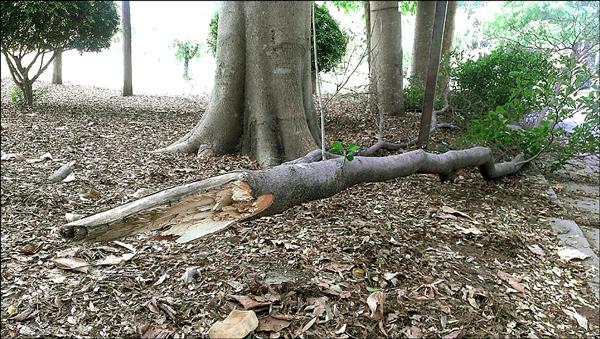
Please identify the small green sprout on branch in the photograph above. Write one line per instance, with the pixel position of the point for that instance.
(347, 152)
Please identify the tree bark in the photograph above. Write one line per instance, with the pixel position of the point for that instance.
(186, 65)
(127, 69)
(262, 101)
(57, 69)
(196, 209)
(386, 35)
(27, 88)
(432, 72)
(422, 41)
(448, 38)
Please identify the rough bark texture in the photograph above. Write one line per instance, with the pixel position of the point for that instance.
(422, 41)
(432, 72)
(127, 71)
(386, 34)
(193, 210)
(57, 69)
(262, 102)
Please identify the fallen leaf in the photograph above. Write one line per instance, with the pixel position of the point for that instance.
(69, 177)
(160, 280)
(389, 276)
(450, 210)
(512, 281)
(188, 275)
(581, 320)
(375, 302)
(358, 273)
(452, 335)
(30, 248)
(320, 303)
(249, 302)
(470, 230)
(92, 193)
(10, 156)
(12, 310)
(414, 332)
(27, 314)
(271, 324)
(568, 254)
(238, 324)
(114, 260)
(131, 248)
(75, 264)
(308, 325)
(337, 267)
(345, 294)
(152, 332)
(45, 156)
(536, 249)
(341, 329)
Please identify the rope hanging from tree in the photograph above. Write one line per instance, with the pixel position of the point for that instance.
(318, 84)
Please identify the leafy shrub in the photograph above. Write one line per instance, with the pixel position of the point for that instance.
(486, 83)
(331, 40)
(18, 99)
(555, 98)
(413, 96)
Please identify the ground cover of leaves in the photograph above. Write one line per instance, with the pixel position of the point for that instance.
(467, 258)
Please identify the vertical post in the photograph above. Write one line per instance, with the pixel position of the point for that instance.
(432, 71)
(57, 68)
(127, 81)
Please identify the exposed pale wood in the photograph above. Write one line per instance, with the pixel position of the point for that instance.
(62, 172)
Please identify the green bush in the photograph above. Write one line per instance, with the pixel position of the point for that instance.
(331, 40)
(481, 85)
(413, 96)
(557, 93)
(18, 99)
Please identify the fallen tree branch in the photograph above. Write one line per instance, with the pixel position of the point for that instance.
(196, 209)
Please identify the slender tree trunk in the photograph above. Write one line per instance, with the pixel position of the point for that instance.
(422, 41)
(447, 41)
(386, 37)
(186, 65)
(57, 69)
(434, 63)
(372, 102)
(127, 71)
(262, 101)
(449, 27)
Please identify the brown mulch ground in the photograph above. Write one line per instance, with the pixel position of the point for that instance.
(315, 265)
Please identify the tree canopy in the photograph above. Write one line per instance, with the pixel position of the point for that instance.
(34, 26)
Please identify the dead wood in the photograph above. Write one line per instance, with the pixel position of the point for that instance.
(62, 172)
(193, 210)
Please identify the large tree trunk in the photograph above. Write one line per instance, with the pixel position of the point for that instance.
(422, 41)
(57, 69)
(386, 37)
(27, 88)
(193, 210)
(262, 102)
(127, 71)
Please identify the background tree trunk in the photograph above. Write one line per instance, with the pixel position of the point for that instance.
(372, 97)
(386, 37)
(127, 71)
(447, 41)
(186, 66)
(57, 68)
(449, 27)
(432, 72)
(422, 41)
(27, 88)
(262, 102)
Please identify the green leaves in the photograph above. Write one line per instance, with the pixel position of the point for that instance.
(348, 152)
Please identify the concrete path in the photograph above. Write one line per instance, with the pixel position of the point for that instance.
(577, 189)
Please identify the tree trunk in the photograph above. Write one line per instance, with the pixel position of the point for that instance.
(432, 72)
(372, 97)
(262, 102)
(199, 208)
(422, 41)
(27, 88)
(386, 37)
(57, 69)
(186, 65)
(449, 27)
(127, 71)
(447, 41)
